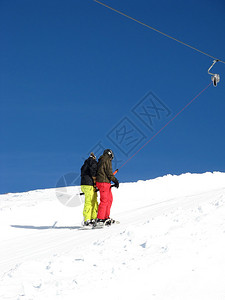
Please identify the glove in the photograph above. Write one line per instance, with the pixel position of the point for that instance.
(116, 183)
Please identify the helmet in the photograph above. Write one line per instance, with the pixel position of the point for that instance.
(109, 152)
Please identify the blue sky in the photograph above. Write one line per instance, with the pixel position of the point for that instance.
(75, 76)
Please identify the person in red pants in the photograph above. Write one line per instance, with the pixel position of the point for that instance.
(103, 183)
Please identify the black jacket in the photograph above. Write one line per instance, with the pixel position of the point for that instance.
(88, 170)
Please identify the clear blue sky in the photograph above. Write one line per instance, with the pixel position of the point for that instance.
(75, 75)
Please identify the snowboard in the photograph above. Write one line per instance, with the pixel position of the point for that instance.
(106, 224)
(100, 226)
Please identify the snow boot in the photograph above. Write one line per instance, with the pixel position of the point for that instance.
(99, 223)
(88, 224)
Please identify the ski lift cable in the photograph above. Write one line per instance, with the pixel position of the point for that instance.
(154, 29)
(171, 120)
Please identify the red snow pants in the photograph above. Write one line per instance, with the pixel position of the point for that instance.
(106, 199)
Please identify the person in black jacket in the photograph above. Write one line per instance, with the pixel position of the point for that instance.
(88, 187)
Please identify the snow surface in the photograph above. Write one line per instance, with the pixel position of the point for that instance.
(170, 243)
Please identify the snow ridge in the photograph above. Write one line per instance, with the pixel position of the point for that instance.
(169, 245)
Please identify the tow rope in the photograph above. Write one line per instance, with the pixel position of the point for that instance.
(171, 120)
(215, 77)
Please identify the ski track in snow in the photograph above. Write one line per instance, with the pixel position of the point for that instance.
(169, 245)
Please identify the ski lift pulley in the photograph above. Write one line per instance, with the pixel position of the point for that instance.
(215, 77)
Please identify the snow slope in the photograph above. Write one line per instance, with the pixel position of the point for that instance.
(170, 243)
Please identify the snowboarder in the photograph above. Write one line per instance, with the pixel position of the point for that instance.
(103, 183)
(88, 187)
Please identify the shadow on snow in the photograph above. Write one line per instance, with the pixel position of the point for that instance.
(44, 227)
